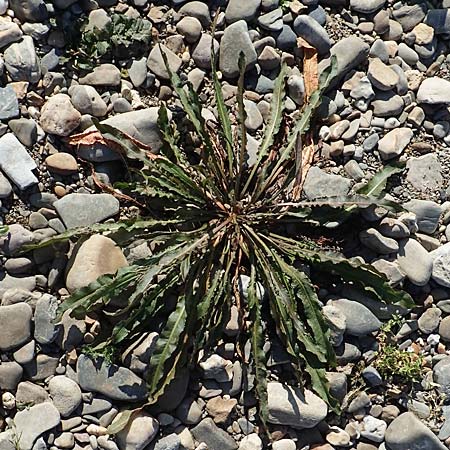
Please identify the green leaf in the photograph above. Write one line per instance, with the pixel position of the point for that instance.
(376, 185)
(167, 352)
(273, 126)
(257, 342)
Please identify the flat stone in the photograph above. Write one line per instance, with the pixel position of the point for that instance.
(350, 52)
(25, 353)
(169, 442)
(77, 210)
(138, 71)
(359, 319)
(387, 104)
(439, 20)
(235, 40)
(16, 163)
(408, 16)
(429, 320)
(441, 373)
(42, 367)
(444, 328)
(428, 214)
(65, 394)
(45, 330)
(16, 325)
(441, 268)
(425, 173)
(33, 422)
(156, 64)
(202, 51)
(213, 436)
(58, 116)
(141, 125)
(61, 163)
(393, 143)
(272, 21)
(238, 10)
(21, 61)
(319, 184)
(313, 33)
(414, 261)
(9, 105)
(374, 240)
(116, 383)
(382, 76)
(289, 406)
(5, 187)
(366, 6)
(102, 75)
(197, 9)
(434, 91)
(98, 255)
(408, 432)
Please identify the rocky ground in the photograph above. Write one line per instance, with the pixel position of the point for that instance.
(390, 102)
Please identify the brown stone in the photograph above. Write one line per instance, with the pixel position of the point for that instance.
(61, 163)
(97, 256)
(220, 409)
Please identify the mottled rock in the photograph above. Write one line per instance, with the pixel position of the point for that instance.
(98, 255)
(58, 116)
(16, 325)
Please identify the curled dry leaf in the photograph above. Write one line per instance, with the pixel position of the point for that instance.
(305, 153)
(95, 137)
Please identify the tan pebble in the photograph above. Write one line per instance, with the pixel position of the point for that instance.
(60, 191)
(71, 357)
(441, 348)
(96, 430)
(61, 163)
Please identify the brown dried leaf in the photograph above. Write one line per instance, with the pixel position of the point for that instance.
(310, 66)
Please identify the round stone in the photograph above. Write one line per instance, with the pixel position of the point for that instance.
(65, 393)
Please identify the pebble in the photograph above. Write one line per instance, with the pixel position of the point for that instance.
(155, 61)
(410, 252)
(238, 10)
(319, 184)
(9, 105)
(380, 244)
(429, 320)
(234, 41)
(428, 214)
(65, 394)
(21, 61)
(394, 142)
(16, 325)
(359, 319)
(109, 380)
(32, 422)
(58, 116)
(77, 210)
(87, 100)
(313, 33)
(407, 431)
(16, 163)
(288, 406)
(214, 437)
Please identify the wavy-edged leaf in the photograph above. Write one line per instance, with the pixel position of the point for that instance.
(377, 184)
(167, 351)
(222, 109)
(170, 136)
(127, 225)
(300, 128)
(257, 342)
